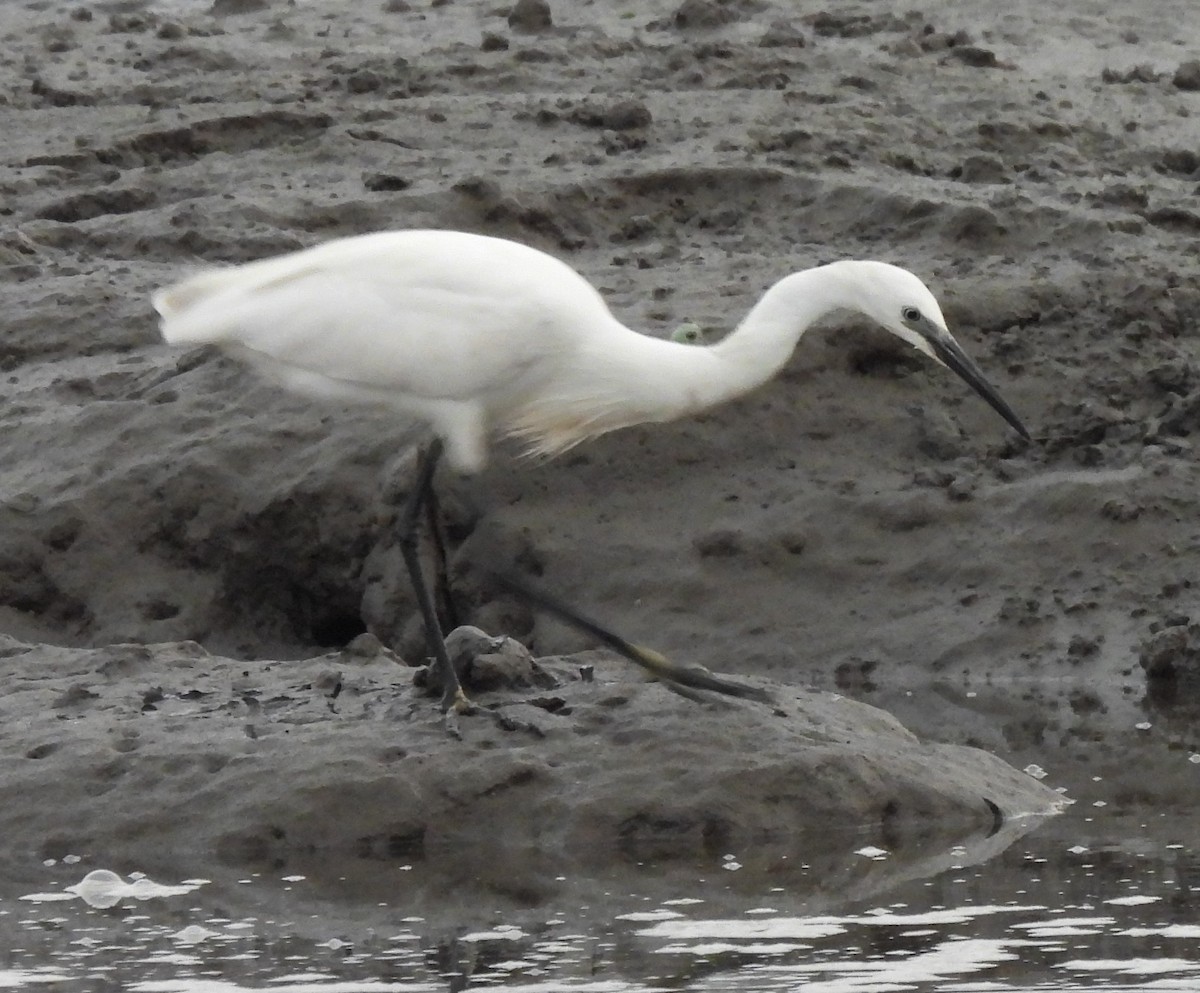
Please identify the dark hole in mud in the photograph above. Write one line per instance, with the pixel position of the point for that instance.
(336, 630)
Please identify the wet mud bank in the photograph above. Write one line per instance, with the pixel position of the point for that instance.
(168, 752)
(860, 527)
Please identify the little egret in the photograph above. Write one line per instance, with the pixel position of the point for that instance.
(477, 335)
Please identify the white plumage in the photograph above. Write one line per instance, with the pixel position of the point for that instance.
(477, 335)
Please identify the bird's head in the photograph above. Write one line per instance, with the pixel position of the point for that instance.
(904, 305)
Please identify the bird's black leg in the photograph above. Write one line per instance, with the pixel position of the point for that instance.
(683, 678)
(443, 597)
(452, 691)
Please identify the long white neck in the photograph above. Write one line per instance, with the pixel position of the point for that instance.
(620, 377)
(764, 341)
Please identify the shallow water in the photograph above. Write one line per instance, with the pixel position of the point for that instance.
(1104, 896)
(1095, 899)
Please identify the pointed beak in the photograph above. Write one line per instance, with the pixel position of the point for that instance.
(950, 353)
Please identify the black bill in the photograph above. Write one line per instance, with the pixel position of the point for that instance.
(949, 351)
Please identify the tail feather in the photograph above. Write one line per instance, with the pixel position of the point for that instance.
(172, 300)
(200, 308)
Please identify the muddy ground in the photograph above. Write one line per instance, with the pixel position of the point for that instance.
(862, 526)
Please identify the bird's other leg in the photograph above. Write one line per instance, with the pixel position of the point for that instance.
(443, 595)
(452, 691)
(684, 677)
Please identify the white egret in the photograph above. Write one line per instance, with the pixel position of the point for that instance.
(477, 335)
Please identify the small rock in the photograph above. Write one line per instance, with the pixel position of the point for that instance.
(128, 23)
(1187, 76)
(627, 115)
(974, 223)
(493, 42)
(975, 56)
(364, 646)
(385, 182)
(535, 55)
(501, 670)
(485, 663)
(842, 25)
(983, 169)
(1181, 160)
(1168, 654)
(225, 8)
(782, 34)
(364, 81)
(693, 14)
(530, 16)
(867, 85)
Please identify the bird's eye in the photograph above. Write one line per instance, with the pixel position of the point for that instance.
(911, 315)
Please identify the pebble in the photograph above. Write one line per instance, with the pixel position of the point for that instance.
(530, 16)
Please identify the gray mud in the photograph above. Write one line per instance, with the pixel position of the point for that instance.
(143, 753)
(861, 525)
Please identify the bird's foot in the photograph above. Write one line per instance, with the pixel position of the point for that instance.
(455, 701)
(685, 680)
(505, 722)
(694, 677)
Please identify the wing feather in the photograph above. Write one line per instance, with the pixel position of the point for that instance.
(440, 315)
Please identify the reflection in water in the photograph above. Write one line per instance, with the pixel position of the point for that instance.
(1072, 906)
(103, 888)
